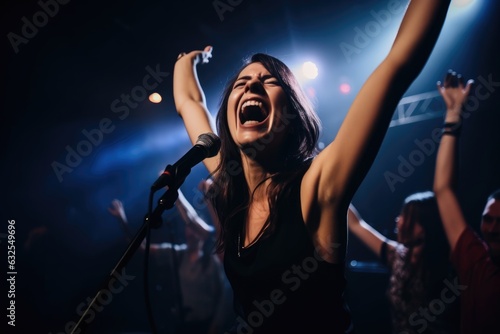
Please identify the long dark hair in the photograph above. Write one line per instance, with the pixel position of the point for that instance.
(422, 208)
(229, 193)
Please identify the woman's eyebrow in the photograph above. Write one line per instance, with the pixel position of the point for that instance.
(267, 76)
(248, 77)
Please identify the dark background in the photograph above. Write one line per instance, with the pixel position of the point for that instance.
(64, 79)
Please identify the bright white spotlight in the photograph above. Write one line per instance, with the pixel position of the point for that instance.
(155, 98)
(310, 70)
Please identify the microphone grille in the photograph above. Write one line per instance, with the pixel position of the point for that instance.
(210, 142)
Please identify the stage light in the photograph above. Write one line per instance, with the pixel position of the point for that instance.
(345, 88)
(310, 70)
(155, 98)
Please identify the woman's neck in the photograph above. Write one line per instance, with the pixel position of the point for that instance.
(255, 173)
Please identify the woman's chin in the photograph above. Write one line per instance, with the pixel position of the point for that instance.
(251, 139)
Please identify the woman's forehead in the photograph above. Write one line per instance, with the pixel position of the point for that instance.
(254, 69)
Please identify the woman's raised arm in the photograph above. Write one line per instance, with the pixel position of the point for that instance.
(345, 162)
(336, 173)
(190, 100)
(454, 93)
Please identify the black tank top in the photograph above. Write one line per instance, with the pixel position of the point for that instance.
(280, 284)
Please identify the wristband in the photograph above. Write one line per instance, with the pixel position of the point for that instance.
(454, 133)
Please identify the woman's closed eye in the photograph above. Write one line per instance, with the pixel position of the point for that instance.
(239, 84)
(272, 82)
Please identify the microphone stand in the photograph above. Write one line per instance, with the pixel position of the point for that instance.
(154, 220)
(164, 203)
(179, 312)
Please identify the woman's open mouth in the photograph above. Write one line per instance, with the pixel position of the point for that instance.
(253, 113)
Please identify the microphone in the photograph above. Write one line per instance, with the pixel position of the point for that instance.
(207, 146)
